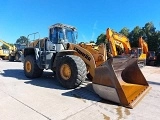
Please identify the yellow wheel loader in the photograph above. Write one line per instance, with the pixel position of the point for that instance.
(4, 53)
(119, 80)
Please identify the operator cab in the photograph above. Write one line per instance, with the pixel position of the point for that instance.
(60, 35)
(151, 55)
(136, 52)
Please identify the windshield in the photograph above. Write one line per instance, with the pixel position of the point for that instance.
(136, 52)
(61, 35)
(70, 36)
(58, 35)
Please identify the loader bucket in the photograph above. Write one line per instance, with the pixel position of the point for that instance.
(120, 80)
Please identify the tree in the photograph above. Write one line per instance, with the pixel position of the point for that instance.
(149, 29)
(22, 40)
(134, 36)
(124, 31)
(101, 39)
(151, 36)
(154, 41)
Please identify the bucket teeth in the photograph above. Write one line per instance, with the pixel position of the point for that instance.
(120, 80)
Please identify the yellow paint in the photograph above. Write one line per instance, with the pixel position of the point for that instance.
(65, 71)
(28, 66)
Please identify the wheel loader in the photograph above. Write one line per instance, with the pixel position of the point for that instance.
(16, 54)
(4, 53)
(114, 79)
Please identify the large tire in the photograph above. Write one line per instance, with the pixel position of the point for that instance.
(11, 58)
(71, 71)
(31, 69)
(17, 56)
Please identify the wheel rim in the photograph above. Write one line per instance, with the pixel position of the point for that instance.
(28, 66)
(65, 71)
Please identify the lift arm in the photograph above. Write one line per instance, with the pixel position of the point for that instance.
(9, 46)
(143, 45)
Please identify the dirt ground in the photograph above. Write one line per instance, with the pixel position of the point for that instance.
(44, 98)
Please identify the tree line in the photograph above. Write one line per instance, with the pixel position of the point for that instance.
(148, 32)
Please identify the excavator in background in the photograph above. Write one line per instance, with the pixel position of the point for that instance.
(113, 37)
(135, 52)
(115, 79)
(151, 57)
(4, 53)
(119, 48)
(13, 52)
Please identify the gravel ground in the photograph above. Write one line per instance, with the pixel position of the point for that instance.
(44, 98)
